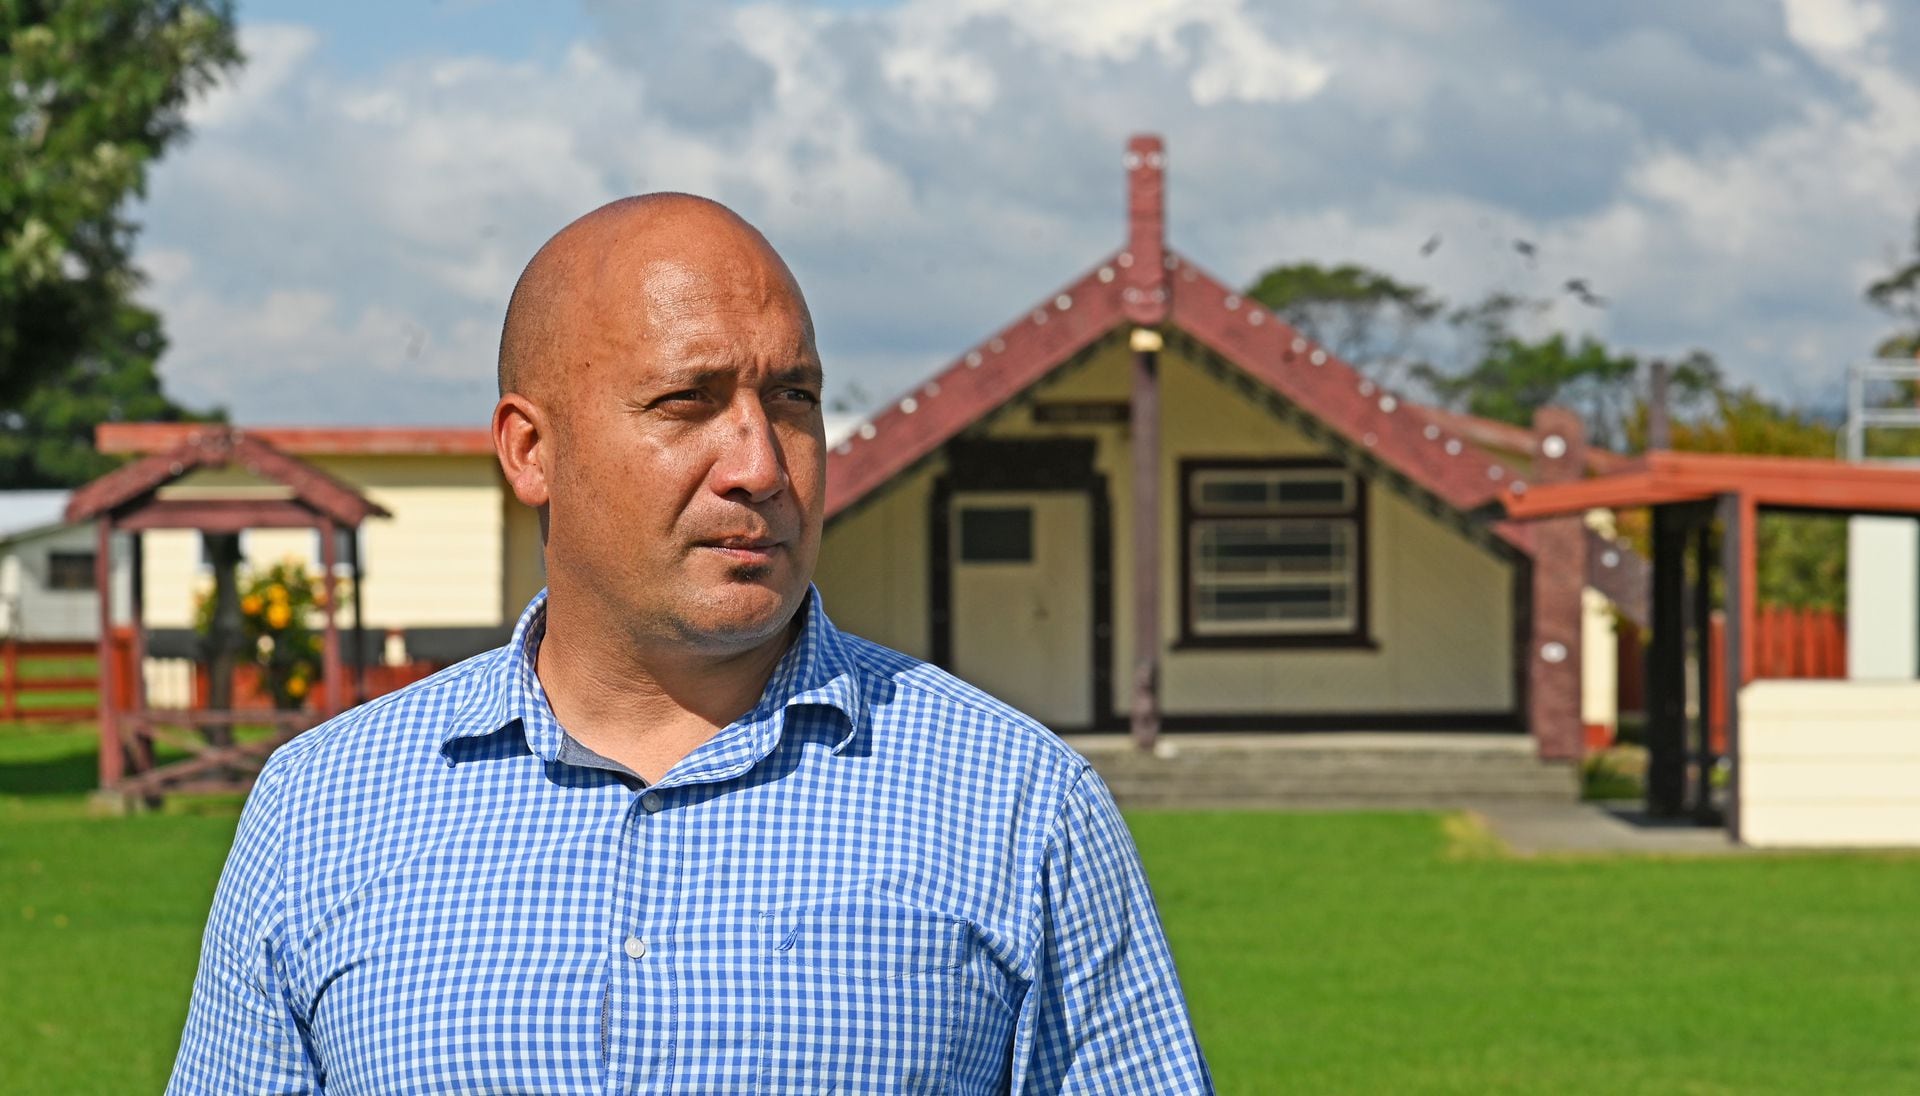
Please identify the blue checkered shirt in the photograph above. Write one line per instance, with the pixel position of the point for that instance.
(878, 880)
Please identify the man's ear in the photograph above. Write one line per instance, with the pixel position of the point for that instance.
(519, 440)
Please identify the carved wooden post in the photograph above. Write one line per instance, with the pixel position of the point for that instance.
(1145, 299)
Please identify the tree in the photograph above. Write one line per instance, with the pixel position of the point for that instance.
(1801, 558)
(1385, 326)
(91, 93)
(1898, 295)
(1363, 316)
(48, 440)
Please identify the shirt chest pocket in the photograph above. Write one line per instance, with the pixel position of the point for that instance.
(861, 996)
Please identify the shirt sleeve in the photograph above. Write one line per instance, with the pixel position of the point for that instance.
(1104, 1012)
(241, 1035)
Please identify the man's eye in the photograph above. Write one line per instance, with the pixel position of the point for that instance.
(682, 396)
(802, 395)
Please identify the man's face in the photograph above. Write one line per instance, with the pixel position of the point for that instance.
(688, 470)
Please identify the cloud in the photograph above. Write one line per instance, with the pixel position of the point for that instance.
(339, 245)
(1833, 26)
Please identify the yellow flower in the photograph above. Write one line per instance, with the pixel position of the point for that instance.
(277, 593)
(296, 687)
(250, 605)
(278, 614)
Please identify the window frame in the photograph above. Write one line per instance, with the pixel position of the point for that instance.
(67, 557)
(1358, 636)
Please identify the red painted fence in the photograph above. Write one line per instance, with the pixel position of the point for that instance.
(248, 696)
(1788, 643)
(28, 691)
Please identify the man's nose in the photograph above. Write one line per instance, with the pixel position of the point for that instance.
(750, 462)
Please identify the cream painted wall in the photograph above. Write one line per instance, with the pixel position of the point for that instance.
(1829, 764)
(872, 570)
(437, 562)
(170, 566)
(1441, 606)
(1883, 598)
(1599, 662)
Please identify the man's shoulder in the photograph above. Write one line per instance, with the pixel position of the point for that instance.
(406, 725)
(912, 695)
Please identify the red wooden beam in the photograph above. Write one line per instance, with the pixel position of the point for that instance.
(221, 515)
(113, 758)
(1556, 500)
(132, 486)
(157, 437)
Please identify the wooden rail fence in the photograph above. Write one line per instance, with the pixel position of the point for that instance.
(31, 691)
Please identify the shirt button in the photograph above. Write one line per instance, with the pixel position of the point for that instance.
(635, 948)
(652, 802)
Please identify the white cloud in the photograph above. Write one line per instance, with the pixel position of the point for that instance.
(276, 52)
(1833, 26)
(340, 246)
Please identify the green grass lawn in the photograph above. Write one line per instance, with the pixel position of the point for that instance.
(1321, 953)
(41, 668)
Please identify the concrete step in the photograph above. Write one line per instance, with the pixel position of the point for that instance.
(1330, 772)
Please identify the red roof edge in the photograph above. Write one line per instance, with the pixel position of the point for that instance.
(214, 446)
(986, 376)
(158, 437)
(1494, 434)
(1366, 416)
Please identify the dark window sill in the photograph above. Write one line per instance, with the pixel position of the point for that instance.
(1270, 643)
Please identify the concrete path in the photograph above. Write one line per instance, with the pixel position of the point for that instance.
(1535, 828)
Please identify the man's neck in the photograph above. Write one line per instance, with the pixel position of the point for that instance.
(646, 704)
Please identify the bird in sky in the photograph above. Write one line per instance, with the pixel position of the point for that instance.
(1432, 245)
(1584, 293)
(1526, 249)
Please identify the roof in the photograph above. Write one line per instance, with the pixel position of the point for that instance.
(1781, 483)
(127, 494)
(333, 441)
(1508, 440)
(305, 441)
(1146, 283)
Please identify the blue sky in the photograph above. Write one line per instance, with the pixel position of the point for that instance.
(351, 211)
(367, 35)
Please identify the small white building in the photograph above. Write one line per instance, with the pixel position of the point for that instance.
(48, 584)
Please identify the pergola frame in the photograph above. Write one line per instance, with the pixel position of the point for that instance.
(129, 500)
(1690, 495)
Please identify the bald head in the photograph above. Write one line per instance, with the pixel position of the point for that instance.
(609, 275)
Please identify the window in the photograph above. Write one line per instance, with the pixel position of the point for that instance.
(996, 535)
(1273, 553)
(70, 570)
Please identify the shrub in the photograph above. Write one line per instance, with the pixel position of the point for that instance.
(281, 612)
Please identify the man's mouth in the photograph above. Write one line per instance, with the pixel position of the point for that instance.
(744, 549)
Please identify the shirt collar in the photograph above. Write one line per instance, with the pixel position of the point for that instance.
(817, 670)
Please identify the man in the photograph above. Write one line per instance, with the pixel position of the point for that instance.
(680, 834)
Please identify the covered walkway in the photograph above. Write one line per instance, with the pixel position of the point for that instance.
(1707, 507)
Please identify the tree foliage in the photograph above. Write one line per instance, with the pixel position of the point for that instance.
(92, 92)
(1384, 325)
(1360, 314)
(48, 440)
(1898, 295)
